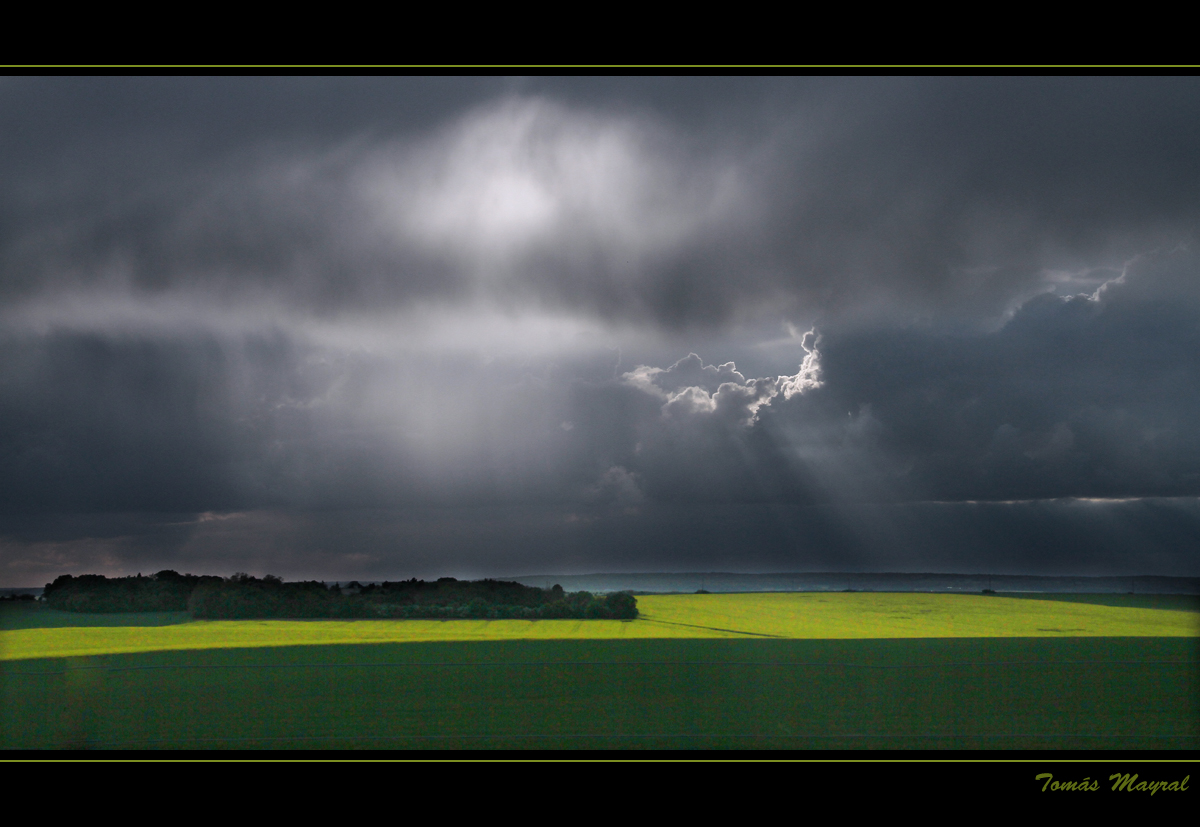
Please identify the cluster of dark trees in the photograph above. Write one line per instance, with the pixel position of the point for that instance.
(244, 597)
(167, 591)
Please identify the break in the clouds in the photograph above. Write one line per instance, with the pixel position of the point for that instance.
(691, 388)
(376, 326)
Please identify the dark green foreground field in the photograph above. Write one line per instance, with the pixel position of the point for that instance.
(1052, 692)
(1097, 693)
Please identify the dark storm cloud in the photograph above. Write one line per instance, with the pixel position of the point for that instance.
(516, 197)
(1092, 395)
(680, 201)
(147, 422)
(1029, 537)
(1089, 396)
(474, 320)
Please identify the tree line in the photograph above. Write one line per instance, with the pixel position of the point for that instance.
(245, 597)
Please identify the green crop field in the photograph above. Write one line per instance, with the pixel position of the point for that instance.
(745, 671)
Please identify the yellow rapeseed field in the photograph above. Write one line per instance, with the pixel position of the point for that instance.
(808, 615)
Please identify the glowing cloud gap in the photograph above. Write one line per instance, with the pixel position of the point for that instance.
(689, 387)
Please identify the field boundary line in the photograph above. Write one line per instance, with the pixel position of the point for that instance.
(610, 663)
(587, 735)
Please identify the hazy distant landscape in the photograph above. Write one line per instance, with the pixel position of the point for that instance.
(687, 582)
(876, 582)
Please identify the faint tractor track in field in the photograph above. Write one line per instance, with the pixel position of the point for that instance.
(712, 628)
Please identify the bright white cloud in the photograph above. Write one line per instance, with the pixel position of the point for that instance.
(528, 175)
(690, 387)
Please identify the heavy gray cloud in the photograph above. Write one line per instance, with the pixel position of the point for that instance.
(682, 202)
(593, 311)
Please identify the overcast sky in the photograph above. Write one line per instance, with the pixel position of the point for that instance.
(392, 327)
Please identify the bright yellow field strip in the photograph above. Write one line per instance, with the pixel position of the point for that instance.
(905, 615)
(216, 634)
(789, 615)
